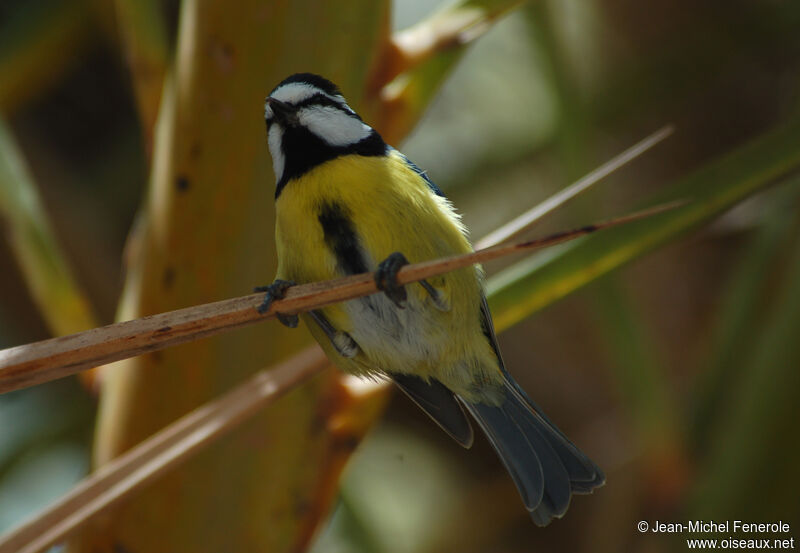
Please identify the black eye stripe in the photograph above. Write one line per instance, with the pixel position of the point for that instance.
(322, 100)
(318, 99)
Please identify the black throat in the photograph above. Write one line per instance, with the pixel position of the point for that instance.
(303, 150)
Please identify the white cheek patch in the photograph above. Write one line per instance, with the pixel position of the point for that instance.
(294, 93)
(332, 125)
(274, 139)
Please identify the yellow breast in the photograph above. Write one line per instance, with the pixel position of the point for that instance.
(390, 208)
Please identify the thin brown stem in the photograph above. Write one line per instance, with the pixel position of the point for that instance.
(160, 453)
(528, 219)
(182, 439)
(32, 364)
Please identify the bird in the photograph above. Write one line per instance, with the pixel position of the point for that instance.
(348, 203)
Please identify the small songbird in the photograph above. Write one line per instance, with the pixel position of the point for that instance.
(348, 203)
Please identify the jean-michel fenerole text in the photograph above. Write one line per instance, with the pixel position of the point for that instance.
(726, 526)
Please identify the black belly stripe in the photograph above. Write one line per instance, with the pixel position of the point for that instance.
(341, 238)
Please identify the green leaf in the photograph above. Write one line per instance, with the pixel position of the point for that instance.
(639, 373)
(428, 51)
(38, 43)
(144, 34)
(741, 314)
(539, 281)
(753, 451)
(62, 303)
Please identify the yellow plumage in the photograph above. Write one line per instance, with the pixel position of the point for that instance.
(391, 209)
(347, 203)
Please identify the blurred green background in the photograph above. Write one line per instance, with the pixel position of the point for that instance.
(679, 374)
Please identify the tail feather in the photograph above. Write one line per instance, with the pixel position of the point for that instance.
(580, 468)
(517, 455)
(584, 488)
(440, 404)
(545, 466)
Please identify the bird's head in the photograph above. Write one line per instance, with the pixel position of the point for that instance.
(309, 122)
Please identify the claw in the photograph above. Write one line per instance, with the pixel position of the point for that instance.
(290, 321)
(436, 296)
(342, 341)
(345, 345)
(277, 291)
(386, 279)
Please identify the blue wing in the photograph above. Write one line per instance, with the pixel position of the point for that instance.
(432, 185)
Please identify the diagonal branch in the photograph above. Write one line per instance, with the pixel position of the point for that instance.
(535, 214)
(180, 440)
(32, 364)
(177, 442)
(161, 452)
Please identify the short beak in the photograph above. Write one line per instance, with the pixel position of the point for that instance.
(284, 113)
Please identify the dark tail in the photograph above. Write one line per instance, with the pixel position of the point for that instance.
(546, 467)
(440, 404)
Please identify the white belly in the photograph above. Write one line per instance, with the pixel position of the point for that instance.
(398, 339)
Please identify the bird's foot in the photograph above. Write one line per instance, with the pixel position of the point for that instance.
(386, 279)
(436, 296)
(277, 291)
(342, 341)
